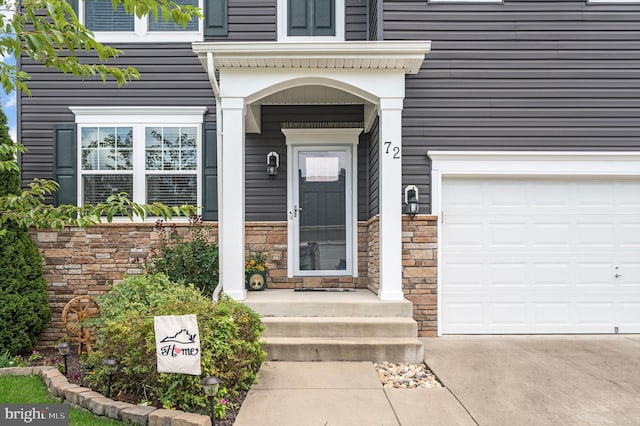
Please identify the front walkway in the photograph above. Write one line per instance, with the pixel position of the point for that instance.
(341, 393)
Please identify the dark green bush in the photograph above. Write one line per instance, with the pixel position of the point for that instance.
(229, 338)
(24, 303)
(193, 261)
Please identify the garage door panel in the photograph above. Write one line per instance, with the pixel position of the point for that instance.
(629, 234)
(547, 235)
(540, 256)
(546, 275)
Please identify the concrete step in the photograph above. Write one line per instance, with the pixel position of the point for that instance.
(340, 327)
(360, 303)
(376, 349)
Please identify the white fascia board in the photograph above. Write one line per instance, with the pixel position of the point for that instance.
(559, 163)
(145, 114)
(347, 136)
(406, 55)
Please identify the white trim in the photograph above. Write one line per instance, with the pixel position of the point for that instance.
(375, 55)
(323, 139)
(141, 33)
(137, 114)
(138, 118)
(521, 163)
(339, 22)
(612, 1)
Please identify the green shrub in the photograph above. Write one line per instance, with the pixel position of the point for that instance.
(229, 339)
(24, 302)
(193, 261)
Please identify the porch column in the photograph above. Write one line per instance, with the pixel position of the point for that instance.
(390, 198)
(231, 198)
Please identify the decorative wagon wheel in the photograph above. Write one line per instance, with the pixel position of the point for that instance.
(74, 316)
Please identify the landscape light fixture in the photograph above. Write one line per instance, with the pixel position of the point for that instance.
(63, 349)
(111, 366)
(411, 200)
(273, 163)
(210, 385)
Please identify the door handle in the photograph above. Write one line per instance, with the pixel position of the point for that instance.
(617, 275)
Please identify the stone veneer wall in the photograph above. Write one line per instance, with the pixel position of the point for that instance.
(84, 262)
(420, 266)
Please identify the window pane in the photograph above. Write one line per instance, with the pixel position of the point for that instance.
(107, 148)
(100, 16)
(171, 148)
(172, 190)
(96, 188)
(161, 25)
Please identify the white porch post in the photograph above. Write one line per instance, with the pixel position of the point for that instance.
(231, 199)
(390, 198)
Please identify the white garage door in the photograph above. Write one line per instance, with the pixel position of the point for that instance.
(549, 255)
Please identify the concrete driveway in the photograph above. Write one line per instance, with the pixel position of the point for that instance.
(541, 380)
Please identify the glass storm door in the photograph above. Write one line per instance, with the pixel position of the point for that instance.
(322, 211)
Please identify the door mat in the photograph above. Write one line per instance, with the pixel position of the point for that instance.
(323, 289)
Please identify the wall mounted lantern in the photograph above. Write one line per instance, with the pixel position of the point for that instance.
(273, 163)
(411, 200)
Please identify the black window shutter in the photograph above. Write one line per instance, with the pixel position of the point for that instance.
(209, 172)
(64, 164)
(215, 17)
(311, 17)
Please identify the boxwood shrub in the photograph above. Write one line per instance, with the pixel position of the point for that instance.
(229, 338)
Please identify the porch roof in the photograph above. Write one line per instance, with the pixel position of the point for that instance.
(378, 55)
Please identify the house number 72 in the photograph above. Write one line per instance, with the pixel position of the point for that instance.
(393, 150)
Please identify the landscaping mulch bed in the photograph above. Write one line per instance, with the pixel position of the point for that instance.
(76, 372)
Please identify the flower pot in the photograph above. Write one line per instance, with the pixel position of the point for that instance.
(256, 280)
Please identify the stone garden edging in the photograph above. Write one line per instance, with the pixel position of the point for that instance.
(99, 405)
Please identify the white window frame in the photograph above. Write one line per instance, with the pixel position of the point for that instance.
(141, 33)
(283, 14)
(139, 118)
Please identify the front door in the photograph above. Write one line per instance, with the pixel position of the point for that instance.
(322, 210)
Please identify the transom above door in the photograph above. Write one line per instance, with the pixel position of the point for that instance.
(322, 196)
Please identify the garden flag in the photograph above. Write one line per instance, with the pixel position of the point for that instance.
(177, 344)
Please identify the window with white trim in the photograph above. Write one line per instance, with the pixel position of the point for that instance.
(115, 25)
(154, 158)
(311, 20)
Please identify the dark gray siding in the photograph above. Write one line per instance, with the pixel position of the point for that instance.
(266, 198)
(553, 75)
(250, 20)
(171, 75)
(356, 20)
(373, 169)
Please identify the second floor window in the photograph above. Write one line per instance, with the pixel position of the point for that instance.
(114, 25)
(311, 20)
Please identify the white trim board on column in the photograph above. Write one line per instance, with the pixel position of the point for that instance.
(521, 164)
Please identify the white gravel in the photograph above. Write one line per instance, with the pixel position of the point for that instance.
(407, 376)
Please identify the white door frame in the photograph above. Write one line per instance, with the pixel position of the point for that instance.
(323, 139)
(520, 164)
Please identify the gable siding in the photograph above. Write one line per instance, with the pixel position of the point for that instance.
(553, 75)
(171, 75)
